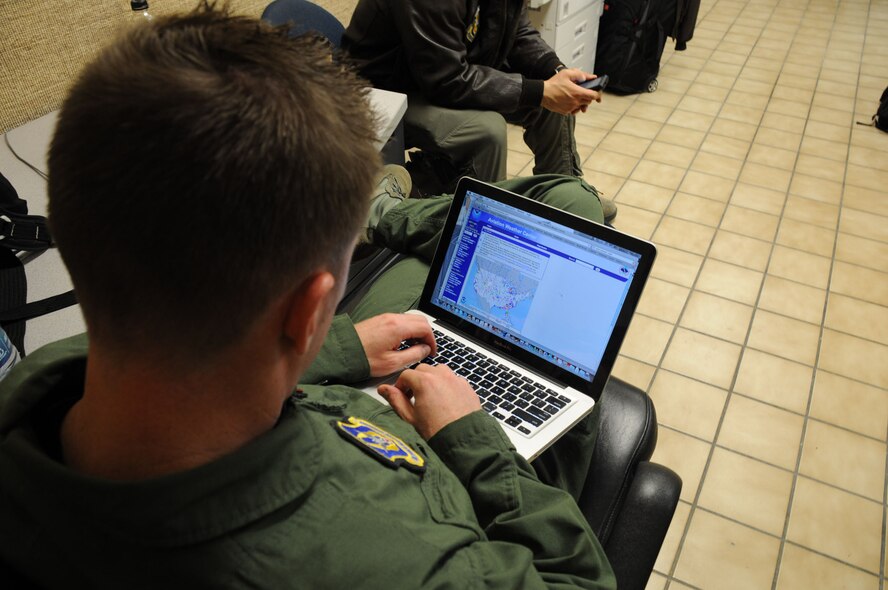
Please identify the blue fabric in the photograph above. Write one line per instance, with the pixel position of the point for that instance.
(304, 16)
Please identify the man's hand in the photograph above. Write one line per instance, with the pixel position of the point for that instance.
(382, 335)
(439, 397)
(562, 94)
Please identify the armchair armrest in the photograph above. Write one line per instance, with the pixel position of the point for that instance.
(629, 501)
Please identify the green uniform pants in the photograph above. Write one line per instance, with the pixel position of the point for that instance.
(414, 227)
(476, 140)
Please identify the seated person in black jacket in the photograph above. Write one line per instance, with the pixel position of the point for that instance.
(468, 68)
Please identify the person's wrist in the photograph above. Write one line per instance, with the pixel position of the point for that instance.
(560, 67)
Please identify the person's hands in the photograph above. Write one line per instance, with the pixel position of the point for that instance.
(562, 94)
(382, 335)
(439, 397)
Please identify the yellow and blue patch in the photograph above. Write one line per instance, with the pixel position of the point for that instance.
(379, 444)
(472, 29)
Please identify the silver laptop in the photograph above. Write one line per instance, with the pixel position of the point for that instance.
(530, 304)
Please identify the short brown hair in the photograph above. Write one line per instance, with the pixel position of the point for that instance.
(202, 165)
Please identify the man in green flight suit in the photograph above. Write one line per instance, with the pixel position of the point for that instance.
(208, 177)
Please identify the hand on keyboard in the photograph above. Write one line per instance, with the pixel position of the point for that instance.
(516, 400)
(439, 397)
(382, 336)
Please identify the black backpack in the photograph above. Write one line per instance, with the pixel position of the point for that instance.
(21, 235)
(631, 38)
(880, 119)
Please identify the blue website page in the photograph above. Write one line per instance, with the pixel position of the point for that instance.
(548, 288)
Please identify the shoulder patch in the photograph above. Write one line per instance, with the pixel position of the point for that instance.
(472, 29)
(379, 444)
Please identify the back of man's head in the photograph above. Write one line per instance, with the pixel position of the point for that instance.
(202, 166)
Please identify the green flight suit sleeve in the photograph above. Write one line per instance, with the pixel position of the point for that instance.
(341, 358)
(516, 509)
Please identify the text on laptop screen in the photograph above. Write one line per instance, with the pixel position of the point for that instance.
(550, 289)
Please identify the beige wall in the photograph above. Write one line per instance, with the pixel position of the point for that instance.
(44, 44)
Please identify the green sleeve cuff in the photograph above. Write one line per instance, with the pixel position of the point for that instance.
(341, 358)
(465, 443)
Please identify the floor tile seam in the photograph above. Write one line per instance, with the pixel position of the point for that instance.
(711, 450)
(705, 225)
(791, 472)
(683, 537)
(756, 307)
(884, 217)
(678, 324)
(884, 549)
(861, 300)
(770, 404)
(817, 360)
(884, 526)
(813, 200)
(711, 444)
(604, 127)
(736, 373)
(669, 579)
(683, 582)
(647, 148)
(777, 406)
(877, 169)
(785, 470)
(830, 557)
(774, 242)
(860, 381)
(856, 494)
(833, 486)
(814, 418)
(738, 522)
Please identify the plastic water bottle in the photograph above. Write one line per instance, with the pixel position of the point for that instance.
(9, 354)
(140, 10)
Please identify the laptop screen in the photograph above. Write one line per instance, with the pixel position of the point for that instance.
(545, 287)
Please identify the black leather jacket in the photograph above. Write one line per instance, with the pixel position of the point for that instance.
(435, 47)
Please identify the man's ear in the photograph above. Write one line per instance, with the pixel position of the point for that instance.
(307, 309)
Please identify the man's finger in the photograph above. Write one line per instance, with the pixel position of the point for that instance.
(418, 328)
(410, 355)
(409, 380)
(398, 401)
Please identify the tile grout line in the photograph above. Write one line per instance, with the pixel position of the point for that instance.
(727, 401)
(750, 397)
(695, 501)
(772, 243)
(779, 314)
(884, 548)
(769, 464)
(805, 422)
(670, 574)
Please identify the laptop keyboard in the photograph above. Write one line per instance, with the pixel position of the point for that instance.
(512, 398)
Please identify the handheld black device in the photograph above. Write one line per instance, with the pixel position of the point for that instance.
(599, 83)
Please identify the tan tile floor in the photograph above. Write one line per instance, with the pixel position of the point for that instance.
(763, 336)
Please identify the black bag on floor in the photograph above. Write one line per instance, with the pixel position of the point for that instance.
(631, 38)
(880, 119)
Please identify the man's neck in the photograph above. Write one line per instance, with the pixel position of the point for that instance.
(136, 422)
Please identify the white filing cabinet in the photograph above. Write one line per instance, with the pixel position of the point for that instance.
(570, 27)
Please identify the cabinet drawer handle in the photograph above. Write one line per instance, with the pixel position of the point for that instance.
(578, 52)
(580, 29)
